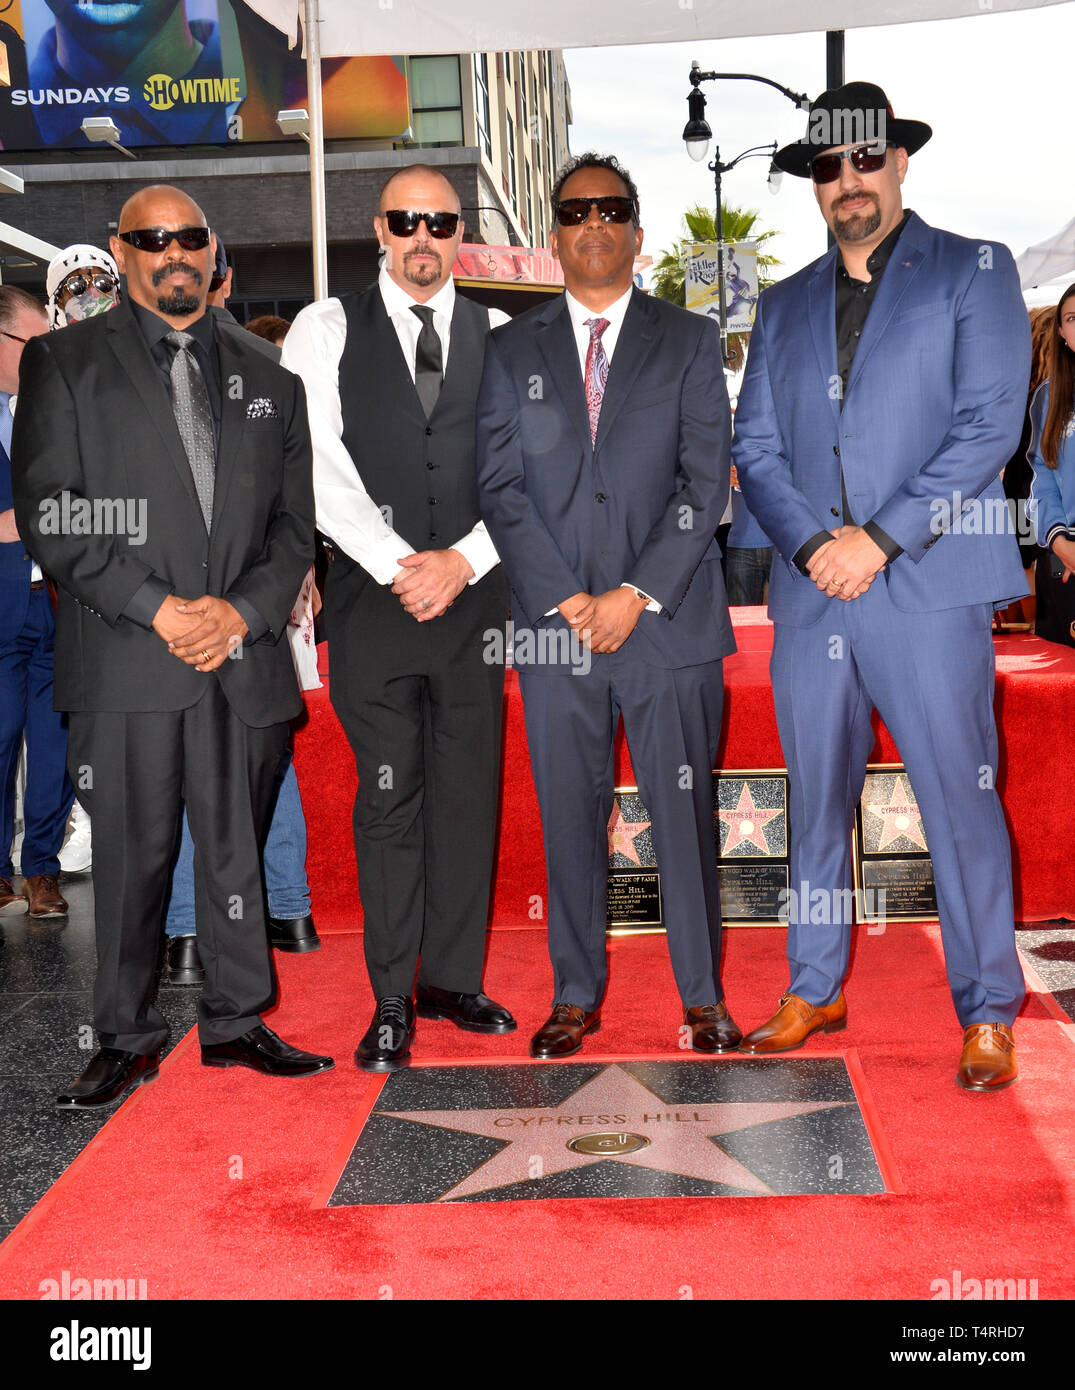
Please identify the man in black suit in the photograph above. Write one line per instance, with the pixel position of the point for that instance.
(414, 589)
(603, 463)
(162, 475)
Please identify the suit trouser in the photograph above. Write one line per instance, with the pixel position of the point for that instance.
(672, 722)
(930, 676)
(132, 771)
(422, 710)
(26, 668)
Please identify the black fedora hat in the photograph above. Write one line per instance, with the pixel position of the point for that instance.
(853, 114)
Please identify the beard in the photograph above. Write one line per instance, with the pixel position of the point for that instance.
(422, 274)
(180, 303)
(857, 226)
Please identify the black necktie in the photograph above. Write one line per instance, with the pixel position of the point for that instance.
(194, 417)
(428, 363)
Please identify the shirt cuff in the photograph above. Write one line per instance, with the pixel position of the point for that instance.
(883, 540)
(809, 549)
(1056, 531)
(477, 548)
(144, 604)
(250, 616)
(652, 606)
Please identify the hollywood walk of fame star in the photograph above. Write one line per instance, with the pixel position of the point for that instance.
(621, 834)
(746, 823)
(899, 817)
(680, 1137)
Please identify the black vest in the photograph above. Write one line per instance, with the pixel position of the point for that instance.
(420, 472)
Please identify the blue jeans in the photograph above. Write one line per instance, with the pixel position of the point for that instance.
(747, 571)
(284, 860)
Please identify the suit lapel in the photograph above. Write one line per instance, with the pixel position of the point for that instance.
(136, 360)
(638, 334)
(822, 313)
(898, 274)
(556, 339)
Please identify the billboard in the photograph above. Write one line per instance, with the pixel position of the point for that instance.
(174, 72)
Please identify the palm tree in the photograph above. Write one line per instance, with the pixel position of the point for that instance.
(700, 224)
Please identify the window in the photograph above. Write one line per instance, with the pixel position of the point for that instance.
(481, 102)
(523, 109)
(529, 199)
(512, 183)
(436, 100)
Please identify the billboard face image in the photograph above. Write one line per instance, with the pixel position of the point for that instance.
(173, 72)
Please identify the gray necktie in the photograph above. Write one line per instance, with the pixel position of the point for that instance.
(194, 416)
(428, 362)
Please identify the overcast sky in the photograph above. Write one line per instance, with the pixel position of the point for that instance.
(996, 88)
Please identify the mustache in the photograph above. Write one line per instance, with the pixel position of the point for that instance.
(158, 275)
(423, 248)
(851, 197)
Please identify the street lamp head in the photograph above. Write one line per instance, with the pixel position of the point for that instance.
(776, 178)
(696, 133)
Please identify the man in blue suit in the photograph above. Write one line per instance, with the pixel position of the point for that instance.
(884, 390)
(603, 462)
(27, 634)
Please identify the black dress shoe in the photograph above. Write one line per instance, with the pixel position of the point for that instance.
(262, 1050)
(108, 1076)
(562, 1032)
(295, 934)
(477, 1013)
(712, 1028)
(386, 1043)
(182, 964)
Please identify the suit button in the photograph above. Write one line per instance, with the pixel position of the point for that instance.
(432, 501)
(835, 511)
(429, 429)
(600, 497)
(431, 465)
(432, 535)
(836, 450)
(205, 564)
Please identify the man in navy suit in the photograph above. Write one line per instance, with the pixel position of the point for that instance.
(603, 464)
(27, 634)
(885, 389)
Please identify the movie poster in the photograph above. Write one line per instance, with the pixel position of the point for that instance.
(174, 72)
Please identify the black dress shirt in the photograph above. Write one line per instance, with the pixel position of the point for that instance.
(854, 299)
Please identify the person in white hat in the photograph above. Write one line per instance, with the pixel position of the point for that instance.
(82, 281)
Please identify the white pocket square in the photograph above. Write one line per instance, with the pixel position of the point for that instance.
(262, 409)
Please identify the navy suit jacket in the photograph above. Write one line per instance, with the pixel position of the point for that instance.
(933, 410)
(641, 505)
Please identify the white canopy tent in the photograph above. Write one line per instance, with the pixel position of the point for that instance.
(1051, 260)
(341, 28)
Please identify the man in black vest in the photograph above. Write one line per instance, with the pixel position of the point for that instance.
(392, 378)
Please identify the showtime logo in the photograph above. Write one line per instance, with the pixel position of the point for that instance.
(163, 92)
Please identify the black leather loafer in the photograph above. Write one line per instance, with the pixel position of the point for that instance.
(108, 1077)
(263, 1051)
(477, 1013)
(182, 964)
(295, 934)
(386, 1043)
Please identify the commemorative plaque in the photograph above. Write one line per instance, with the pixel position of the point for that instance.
(750, 832)
(893, 870)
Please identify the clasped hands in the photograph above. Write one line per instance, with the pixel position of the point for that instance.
(430, 582)
(846, 566)
(603, 621)
(202, 632)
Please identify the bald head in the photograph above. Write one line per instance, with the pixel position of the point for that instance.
(172, 281)
(420, 263)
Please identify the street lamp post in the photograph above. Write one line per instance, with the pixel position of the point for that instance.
(697, 135)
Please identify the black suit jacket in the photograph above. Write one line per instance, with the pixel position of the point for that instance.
(96, 444)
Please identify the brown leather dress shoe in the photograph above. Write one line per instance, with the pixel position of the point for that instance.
(44, 896)
(712, 1028)
(988, 1061)
(12, 904)
(562, 1032)
(793, 1023)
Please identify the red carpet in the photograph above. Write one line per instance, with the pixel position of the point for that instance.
(203, 1183)
(1035, 704)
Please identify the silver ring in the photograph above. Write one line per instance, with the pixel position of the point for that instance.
(426, 602)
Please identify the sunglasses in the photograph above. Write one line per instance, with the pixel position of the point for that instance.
(79, 283)
(573, 212)
(160, 238)
(5, 334)
(441, 225)
(866, 159)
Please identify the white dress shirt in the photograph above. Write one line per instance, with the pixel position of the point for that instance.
(609, 338)
(346, 513)
(7, 413)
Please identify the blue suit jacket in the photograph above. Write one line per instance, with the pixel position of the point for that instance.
(933, 410)
(642, 505)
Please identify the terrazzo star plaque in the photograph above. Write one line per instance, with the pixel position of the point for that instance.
(750, 1127)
